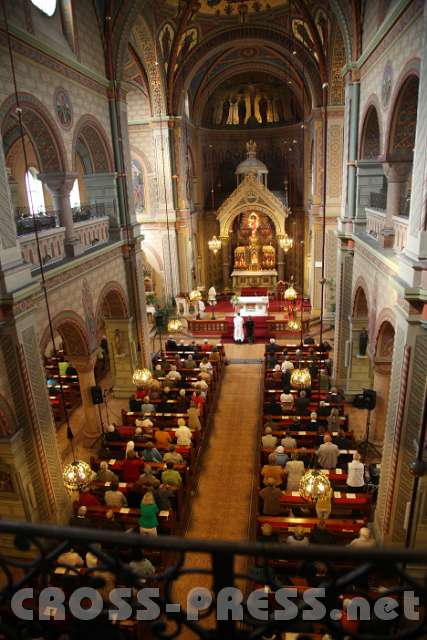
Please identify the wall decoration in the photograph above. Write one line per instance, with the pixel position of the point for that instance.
(63, 107)
(138, 185)
(166, 37)
(189, 40)
(87, 302)
(386, 84)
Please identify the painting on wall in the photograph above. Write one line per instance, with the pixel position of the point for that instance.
(87, 303)
(166, 37)
(138, 185)
(188, 42)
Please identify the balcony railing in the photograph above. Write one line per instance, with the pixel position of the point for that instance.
(94, 210)
(375, 222)
(378, 200)
(26, 223)
(400, 225)
(230, 590)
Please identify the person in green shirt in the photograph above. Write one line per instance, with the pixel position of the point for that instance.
(148, 520)
(171, 476)
(63, 366)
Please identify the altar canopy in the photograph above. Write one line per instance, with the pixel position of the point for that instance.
(252, 221)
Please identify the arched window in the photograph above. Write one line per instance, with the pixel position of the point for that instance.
(75, 194)
(35, 194)
(48, 7)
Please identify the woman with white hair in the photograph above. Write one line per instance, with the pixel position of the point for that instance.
(365, 539)
(286, 401)
(356, 473)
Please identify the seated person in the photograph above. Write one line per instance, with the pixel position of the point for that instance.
(146, 480)
(170, 344)
(206, 346)
(205, 365)
(182, 402)
(155, 389)
(173, 456)
(87, 499)
(334, 396)
(272, 470)
(302, 403)
(270, 496)
(342, 440)
(281, 456)
(214, 355)
(193, 414)
(334, 420)
(321, 535)
(63, 366)
(158, 372)
(324, 409)
(267, 534)
(312, 424)
(81, 519)
(162, 438)
(268, 440)
(105, 474)
(297, 537)
(183, 434)
(277, 373)
(286, 402)
(327, 453)
(115, 498)
(364, 539)
(272, 347)
(174, 376)
(163, 495)
(151, 454)
(189, 362)
(139, 435)
(112, 433)
(145, 425)
(202, 385)
(288, 442)
(170, 476)
(147, 406)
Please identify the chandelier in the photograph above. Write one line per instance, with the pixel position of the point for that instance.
(214, 244)
(300, 378)
(290, 293)
(141, 377)
(286, 243)
(195, 295)
(77, 475)
(174, 325)
(293, 325)
(314, 485)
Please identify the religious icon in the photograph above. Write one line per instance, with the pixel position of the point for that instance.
(138, 185)
(166, 38)
(63, 107)
(188, 41)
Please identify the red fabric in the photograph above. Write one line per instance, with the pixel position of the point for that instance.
(88, 500)
(131, 469)
(206, 347)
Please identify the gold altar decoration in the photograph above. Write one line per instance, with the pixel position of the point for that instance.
(77, 475)
(174, 325)
(293, 325)
(313, 485)
(141, 377)
(300, 378)
(214, 244)
(290, 294)
(195, 295)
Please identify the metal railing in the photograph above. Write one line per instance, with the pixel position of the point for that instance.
(160, 605)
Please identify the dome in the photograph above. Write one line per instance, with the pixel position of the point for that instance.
(251, 165)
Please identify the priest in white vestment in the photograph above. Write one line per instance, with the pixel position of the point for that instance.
(239, 334)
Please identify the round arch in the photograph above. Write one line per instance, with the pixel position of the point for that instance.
(360, 306)
(71, 328)
(370, 139)
(384, 334)
(91, 143)
(402, 118)
(111, 304)
(39, 126)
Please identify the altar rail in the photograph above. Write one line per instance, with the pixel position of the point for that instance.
(219, 327)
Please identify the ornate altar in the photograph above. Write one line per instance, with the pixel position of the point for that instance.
(254, 255)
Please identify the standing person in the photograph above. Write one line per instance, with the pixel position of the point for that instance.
(148, 520)
(249, 326)
(356, 474)
(239, 334)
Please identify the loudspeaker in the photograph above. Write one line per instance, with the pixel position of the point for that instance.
(370, 398)
(96, 395)
(359, 401)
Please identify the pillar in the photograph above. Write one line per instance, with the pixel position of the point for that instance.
(345, 260)
(183, 230)
(123, 356)
(397, 176)
(101, 189)
(403, 431)
(60, 185)
(85, 368)
(353, 130)
(381, 385)
(226, 248)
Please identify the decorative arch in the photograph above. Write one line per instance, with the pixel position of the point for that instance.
(111, 304)
(40, 128)
(91, 142)
(402, 119)
(370, 140)
(360, 304)
(384, 335)
(71, 327)
(251, 193)
(8, 423)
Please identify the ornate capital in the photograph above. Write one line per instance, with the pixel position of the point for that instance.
(397, 171)
(59, 184)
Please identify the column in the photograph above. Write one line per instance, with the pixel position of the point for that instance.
(402, 435)
(101, 189)
(60, 185)
(354, 91)
(183, 229)
(345, 259)
(381, 385)
(397, 176)
(281, 263)
(123, 355)
(226, 247)
(85, 368)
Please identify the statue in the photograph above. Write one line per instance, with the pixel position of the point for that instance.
(263, 109)
(241, 108)
(118, 344)
(225, 111)
(251, 146)
(363, 342)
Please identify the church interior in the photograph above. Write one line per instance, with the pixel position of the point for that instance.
(213, 318)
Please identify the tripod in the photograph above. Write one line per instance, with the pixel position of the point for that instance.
(366, 446)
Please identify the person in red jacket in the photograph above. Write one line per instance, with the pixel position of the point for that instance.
(206, 346)
(86, 499)
(131, 468)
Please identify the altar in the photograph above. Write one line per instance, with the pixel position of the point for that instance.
(243, 278)
(252, 305)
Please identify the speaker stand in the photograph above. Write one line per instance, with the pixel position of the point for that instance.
(366, 446)
(102, 434)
